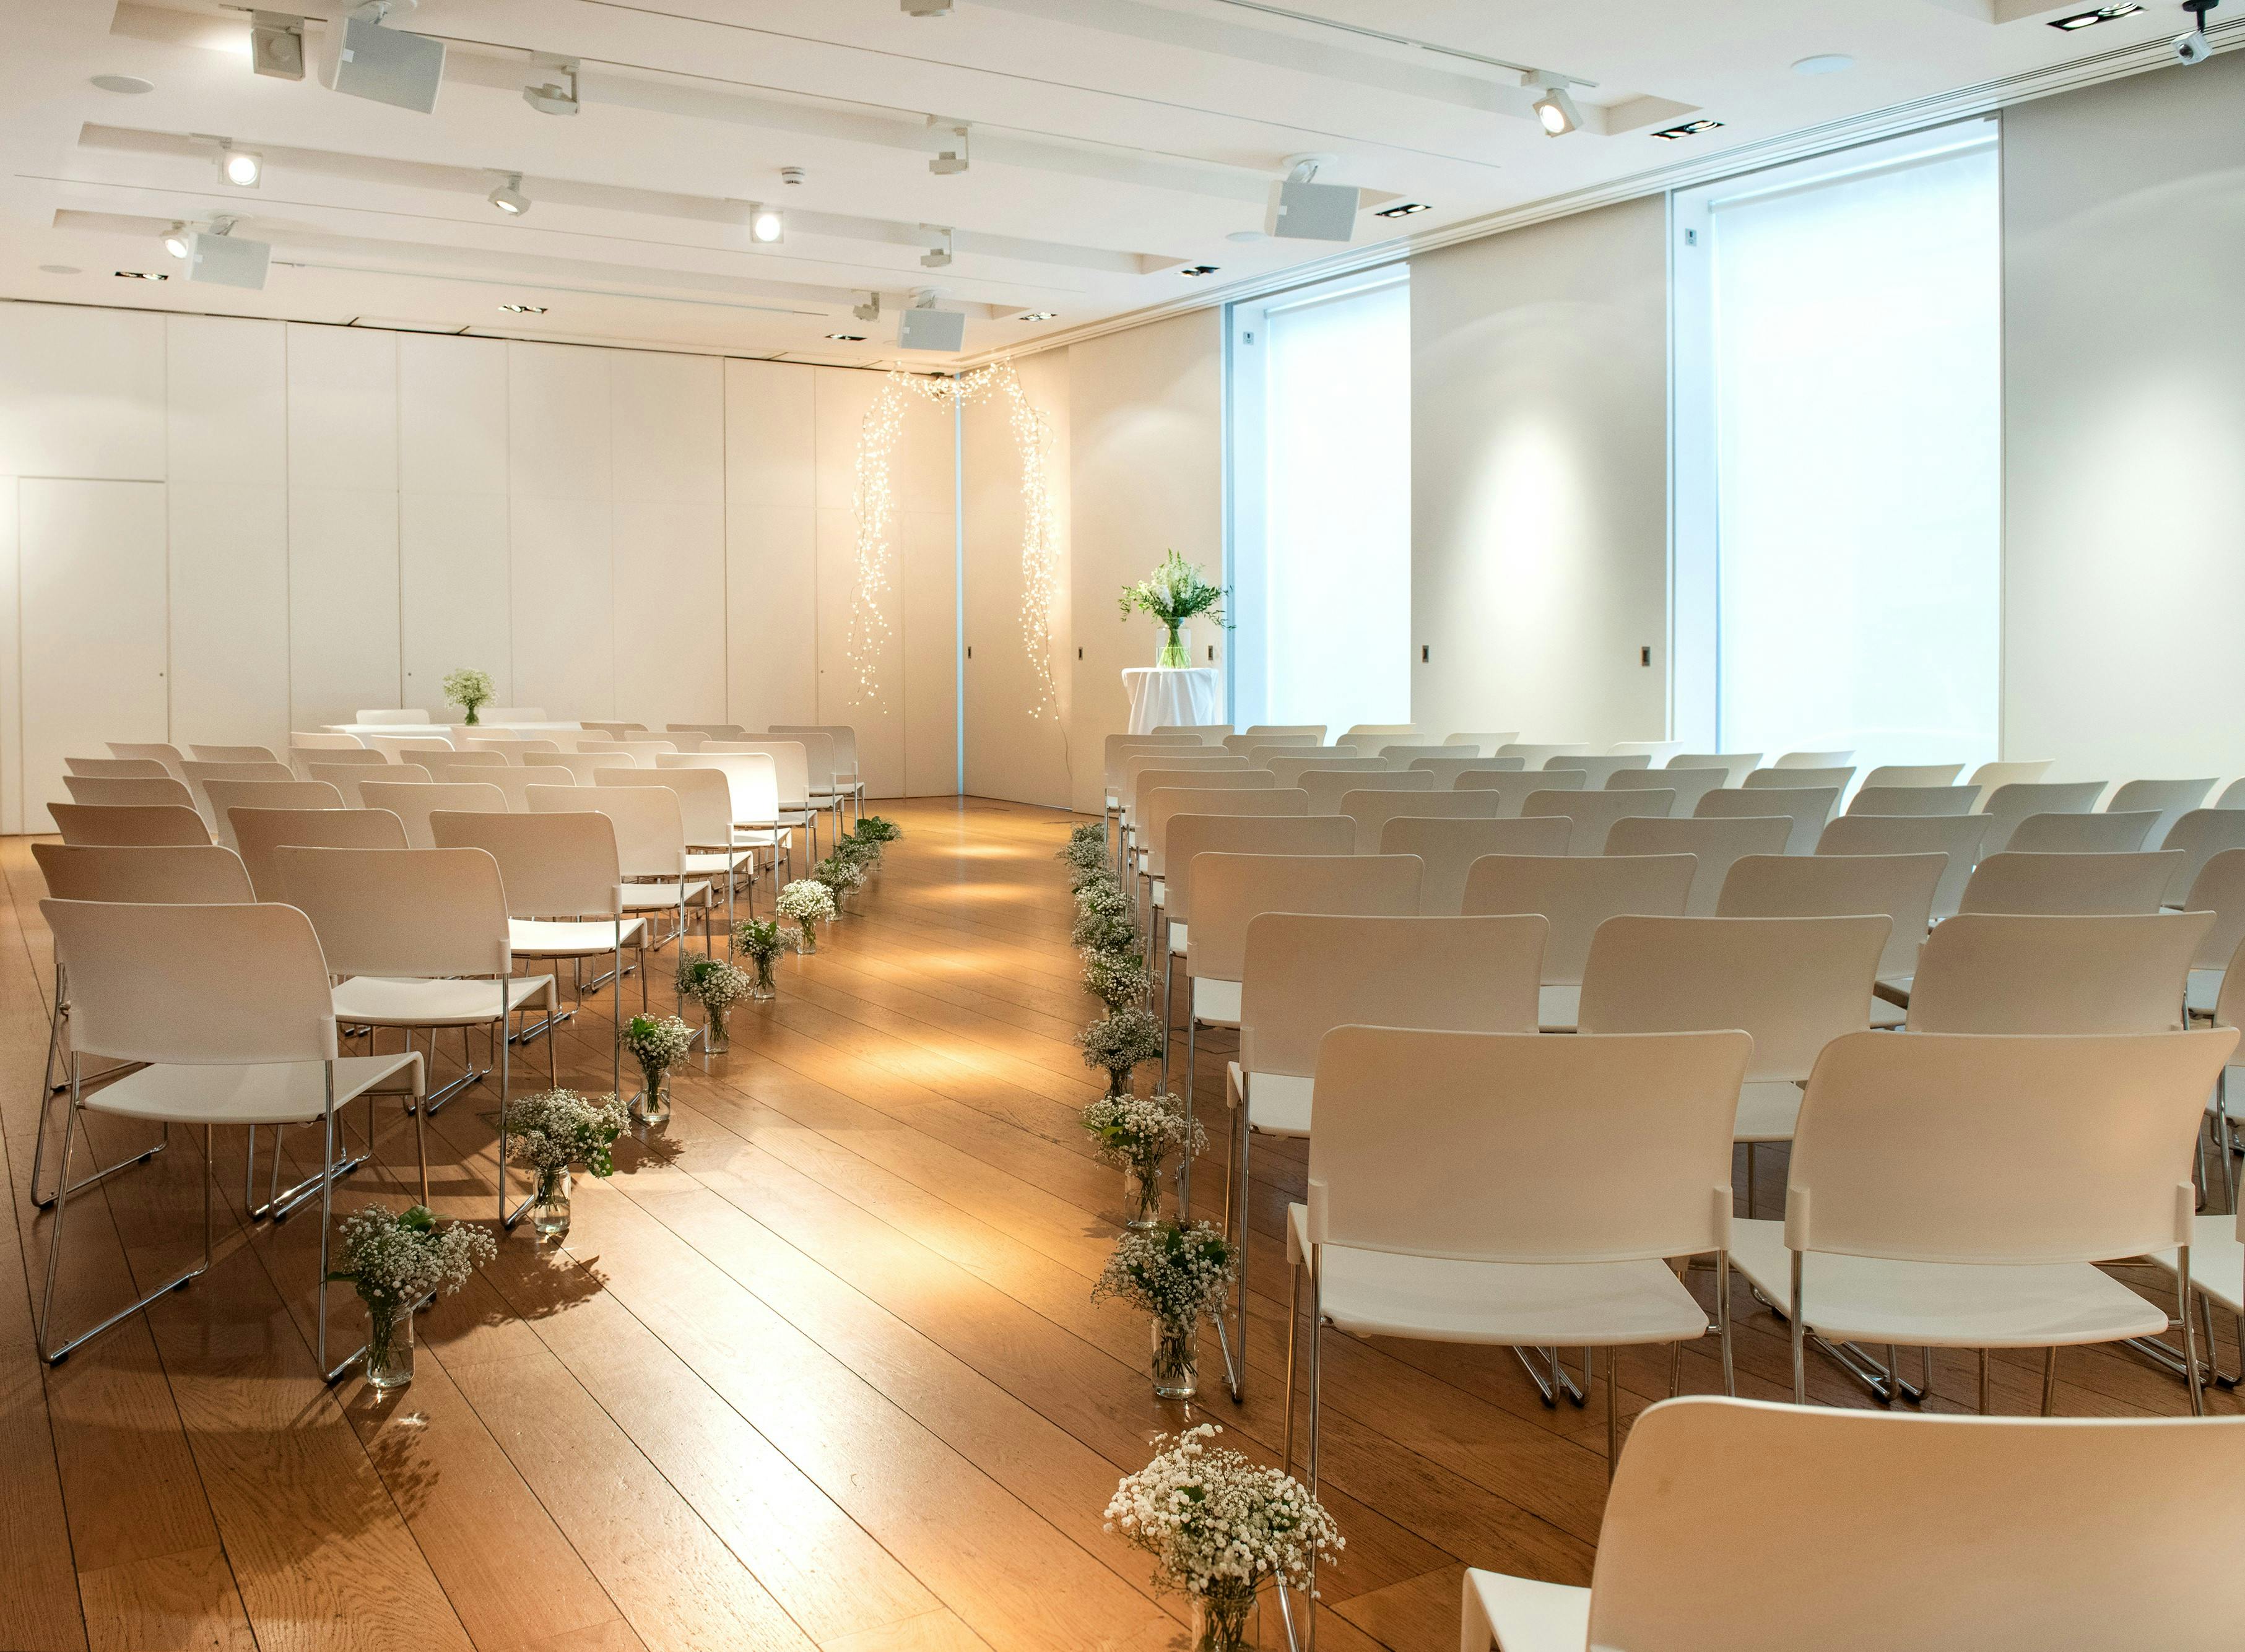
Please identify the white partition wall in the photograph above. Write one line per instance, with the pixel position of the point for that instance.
(772, 545)
(454, 555)
(667, 414)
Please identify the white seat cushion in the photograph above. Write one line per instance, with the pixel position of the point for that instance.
(1887, 1015)
(1766, 1111)
(1529, 1617)
(1278, 1103)
(270, 1092)
(1215, 1003)
(1945, 1304)
(1895, 989)
(1589, 1304)
(2217, 1260)
(568, 937)
(384, 1002)
(716, 864)
(653, 897)
(1558, 1005)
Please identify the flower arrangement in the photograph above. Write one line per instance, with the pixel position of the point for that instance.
(876, 831)
(1178, 1274)
(1118, 1042)
(841, 875)
(809, 903)
(1135, 1133)
(548, 1133)
(1104, 932)
(717, 984)
(759, 940)
(395, 1259)
(657, 1044)
(1173, 593)
(1117, 979)
(469, 689)
(1100, 896)
(1217, 1524)
(1085, 852)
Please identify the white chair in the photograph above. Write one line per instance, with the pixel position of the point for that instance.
(1899, 887)
(1446, 848)
(1914, 800)
(752, 779)
(1986, 973)
(234, 754)
(2170, 799)
(305, 759)
(642, 752)
(1689, 785)
(1655, 752)
(1212, 773)
(1487, 742)
(2233, 795)
(1575, 894)
(263, 833)
(714, 849)
(228, 795)
(2107, 833)
(1799, 777)
(318, 740)
(129, 825)
(1598, 772)
(613, 730)
(1314, 731)
(1957, 837)
(1248, 744)
(1304, 975)
(1514, 786)
(1207, 734)
(1371, 810)
(1403, 756)
(1596, 812)
(347, 778)
(1447, 770)
(822, 759)
(1506, 1189)
(117, 768)
(396, 745)
(174, 764)
(1716, 845)
(515, 783)
(1914, 774)
(462, 765)
(1735, 765)
(2074, 884)
(1809, 807)
(650, 850)
(1988, 777)
(416, 804)
(1534, 756)
(512, 749)
(1326, 789)
(849, 778)
(246, 1038)
(2218, 890)
(723, 730)
(200, 775)
(1816, 760)
(2218, 1243)
(2199, 836)
(791, 767)
(1957, 1191)
(1288, 768)
(1707, 1476)
(581, 766)
(1164, 804)
(2006, 806)
(1367, 739)
(149, 793)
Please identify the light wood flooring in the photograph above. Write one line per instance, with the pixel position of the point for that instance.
(818, 1367)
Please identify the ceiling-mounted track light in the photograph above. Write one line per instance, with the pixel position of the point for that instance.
(766, 224)
(555, 97)
(952, 160)
(242, 168)
(1554, 107)
(175, 240)
(508, 197)
(938, 256)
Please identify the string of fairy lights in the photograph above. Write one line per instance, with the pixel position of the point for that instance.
(869, 632)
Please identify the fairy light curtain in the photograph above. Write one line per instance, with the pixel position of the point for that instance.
(870, 633)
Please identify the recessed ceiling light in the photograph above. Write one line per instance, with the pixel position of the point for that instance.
(1404, 209)
(1246, 235)
(143, 276)
(1689, 129)
(524, 309)
(124, 82)
(1198, 269)
(1825, 62)
(509, 198)
(847, 338)
(2091, 20)
(1039, 316)
(58, 269)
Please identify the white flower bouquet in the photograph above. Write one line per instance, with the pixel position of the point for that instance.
(759, 940)
(1100, 896)
(1217, 1524)
(716, 984)
(1136, 1135)
(1118, 1042)
(841, 875)
(1117, 979)
(548, 1133)
(1173, 593)
(469, 689)
(1105, 933)
(658, 1044)
(809, 903)
(1178, 1275)
(395, 1259)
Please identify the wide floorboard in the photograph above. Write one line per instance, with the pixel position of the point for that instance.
(818, 1368)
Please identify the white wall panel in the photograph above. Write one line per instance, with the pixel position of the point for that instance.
(669, 420)
(91, 592)
(342, 407)
(771, 438)
(81, 392)
(342, 603)
(229, 614)
(226, 401)
(669, 619)
(928, 586)
(879, 723)
(771, 607)
(11, 674)
(452, 423)
(558, 439)
(564, 624)
(454, 605)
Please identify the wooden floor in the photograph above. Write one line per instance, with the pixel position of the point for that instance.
(818, 1368)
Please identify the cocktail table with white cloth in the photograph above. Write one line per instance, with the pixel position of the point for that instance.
(1161, 696)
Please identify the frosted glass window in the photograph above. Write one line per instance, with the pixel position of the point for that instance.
(1857, 372)
(1336, 603)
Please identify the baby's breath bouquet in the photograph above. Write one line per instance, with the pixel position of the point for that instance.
(808, 903)
(1100, 896)
(1173, 593)
(1217, 1524)
(469, 689)
(874, 830)
(548, 1133)
(1117, 979)
(658, 1044)
(1136, 1133)
(1119, 1041)
(395, 1260)
(1105, 933)
(842, 876)
(759, 940)
(1178, 1275)
(717, 984)
(1085, 852)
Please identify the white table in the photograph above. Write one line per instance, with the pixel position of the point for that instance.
(1164, 695)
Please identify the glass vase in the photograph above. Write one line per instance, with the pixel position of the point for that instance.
(761, 985)
(472, 718)
(1118, 1080)
(389, 1347)
(717, 1038)
(652, 1104)
(806, 937)
(1220, 1617)
(549, 1206)
(1142, 1197)
(1177, 652)
(1176, 1359)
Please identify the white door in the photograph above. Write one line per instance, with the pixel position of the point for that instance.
(91, 581)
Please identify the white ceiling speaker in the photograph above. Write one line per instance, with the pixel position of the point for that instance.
(363, 59)
(508, 197)
(1555, 109)
(766, 224)
(222, 258)
(938, 256)
(1301, 209)
(276, 45)
(925, 328)
(555, 98)
(952, 160)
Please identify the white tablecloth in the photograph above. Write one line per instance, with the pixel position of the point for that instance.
(1160, 697)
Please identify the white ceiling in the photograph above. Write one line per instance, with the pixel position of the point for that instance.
(1114, 142)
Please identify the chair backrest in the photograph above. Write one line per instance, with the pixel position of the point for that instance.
(234, 754)
(1447, 847)
(1514, 786)
(2200, 835)
(415, 913)
(2100, 834)
(1367, 739)
(2080, 885)
(2233, 795)
(1898, 887)
(511, 748)
(174, 875)
(1598, 772)
(142, 793)
(732, 731)
(1689, 785)
(1328, 790)
(1957, 837)
(397, 744)
(821, 760)
(1577, 893)
(318, 740)
(263, 833)
(1288, 768)
(1814, 760)
(1706, 1475)
(1207, 734)
(641, 752)
(582, 764)
(1913, 800)
(1808, 807)
(650, 826)
(1190, 836)
(1118, 747)
(2006, 806)
(2219, 890)
(705, 800)
(843, 736)
(1487, 742)
(200, 775)
(1371, 810)
(1165, 765)
(416, 804)
(1914, 775)
(347, 778)
(1534, 756)
(1256, 748)
(1800, 777)
(752, 777)
(1735, 765)
(1980, 972)
(1717, 845)
(561, 864)
(447, 765)
(1653, 751)
(128, 824)
(1595, 812)
(1511, 1146)
(1403, 756)
(389, 714)
(1164, 804)
(227, 795)
(174, 764)
(2170, 799)
(516, 782)
(1229, 891)
(1447, 770)
(1305, 974)
(1988, 777)
(2018, 1149)
(1794, 982)
(305, 759)
(1314, 731)
(259, 991)
(117, 768)
(613, 730)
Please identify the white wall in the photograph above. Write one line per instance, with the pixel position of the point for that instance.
(216, 530)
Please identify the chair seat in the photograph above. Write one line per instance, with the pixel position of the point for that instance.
(2201, 989)
(1161, 891)
(758, 834)
(1894, 988)
(1278, 1103)
(1767, 1110)
(1558, 1005)
(1215, 1003)
(568, 937)
(655, 897)
(1885, 1016)
(1178, 937)
(1946, 1304)
(270, 1092)
(715, 863)
(1585, 1304)
(1529, 1617)
(2217, 1260)
(382, 1001)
